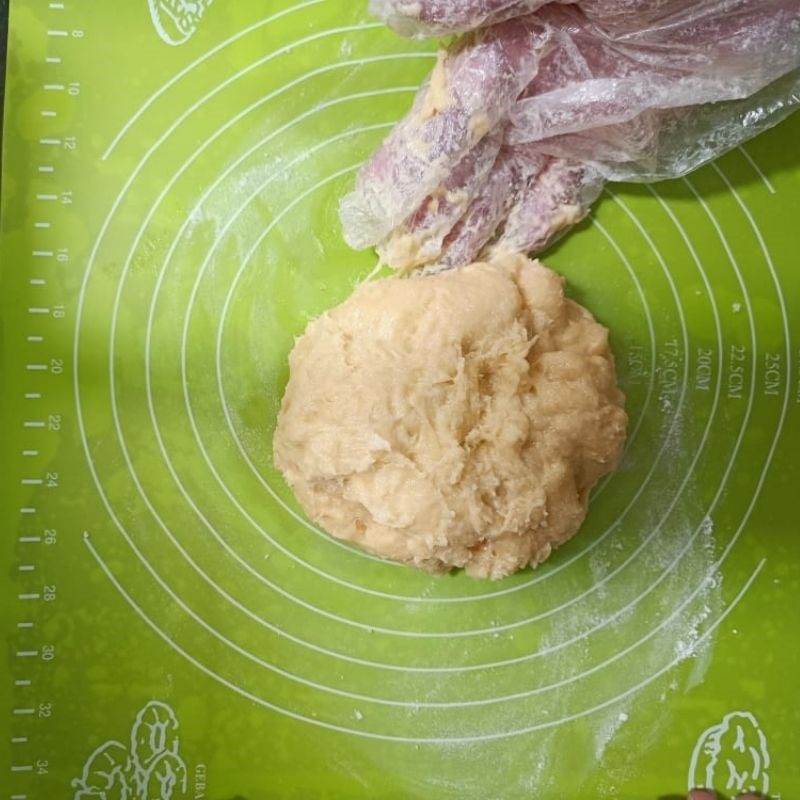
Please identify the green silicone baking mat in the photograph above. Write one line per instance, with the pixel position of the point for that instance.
(176, 628)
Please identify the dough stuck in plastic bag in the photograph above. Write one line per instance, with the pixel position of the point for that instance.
(537, 105)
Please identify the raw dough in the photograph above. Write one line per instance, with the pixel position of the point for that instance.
(452, 420)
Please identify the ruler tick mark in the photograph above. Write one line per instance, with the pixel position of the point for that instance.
(54, 87)
(29, 596)
(22, 767)
(43, 253)
(47, 168)
(37, 281)
(50, 141)
(33, 396)
(31, 481)
(22, 682)
(57, 6)
(32, 423)
(36, 367)
(30, 453)
(30, 539)
(47, 197)
(21, 712)
(19, 740)
(35, 338)
(27, 510)
(56, 33)
(38, 310)
(48, 113)
(41, 224)
(27, 653)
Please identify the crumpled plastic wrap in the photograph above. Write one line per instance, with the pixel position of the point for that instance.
(522, 121)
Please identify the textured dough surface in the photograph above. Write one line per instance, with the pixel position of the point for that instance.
(452, 420)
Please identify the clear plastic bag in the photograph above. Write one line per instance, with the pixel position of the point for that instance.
(510, 140)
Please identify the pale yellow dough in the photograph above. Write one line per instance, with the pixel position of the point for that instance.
(452, 420)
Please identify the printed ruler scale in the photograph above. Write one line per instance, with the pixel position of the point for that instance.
(38, 393)
(175, 627)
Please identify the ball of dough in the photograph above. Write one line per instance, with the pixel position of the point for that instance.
(452, 420)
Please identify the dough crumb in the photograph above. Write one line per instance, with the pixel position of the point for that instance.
(452, 420)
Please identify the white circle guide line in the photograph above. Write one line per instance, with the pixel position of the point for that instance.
(753, 499)
(784, 314)
(426, 634)
(414, 740)
(495, 629)
(196, 63)
(245, 263)
(261, 101)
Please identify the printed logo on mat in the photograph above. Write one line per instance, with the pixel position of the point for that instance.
(148, 767)
(177, 20)
(731, 756)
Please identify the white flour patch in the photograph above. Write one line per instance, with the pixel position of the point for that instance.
(607, 731)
